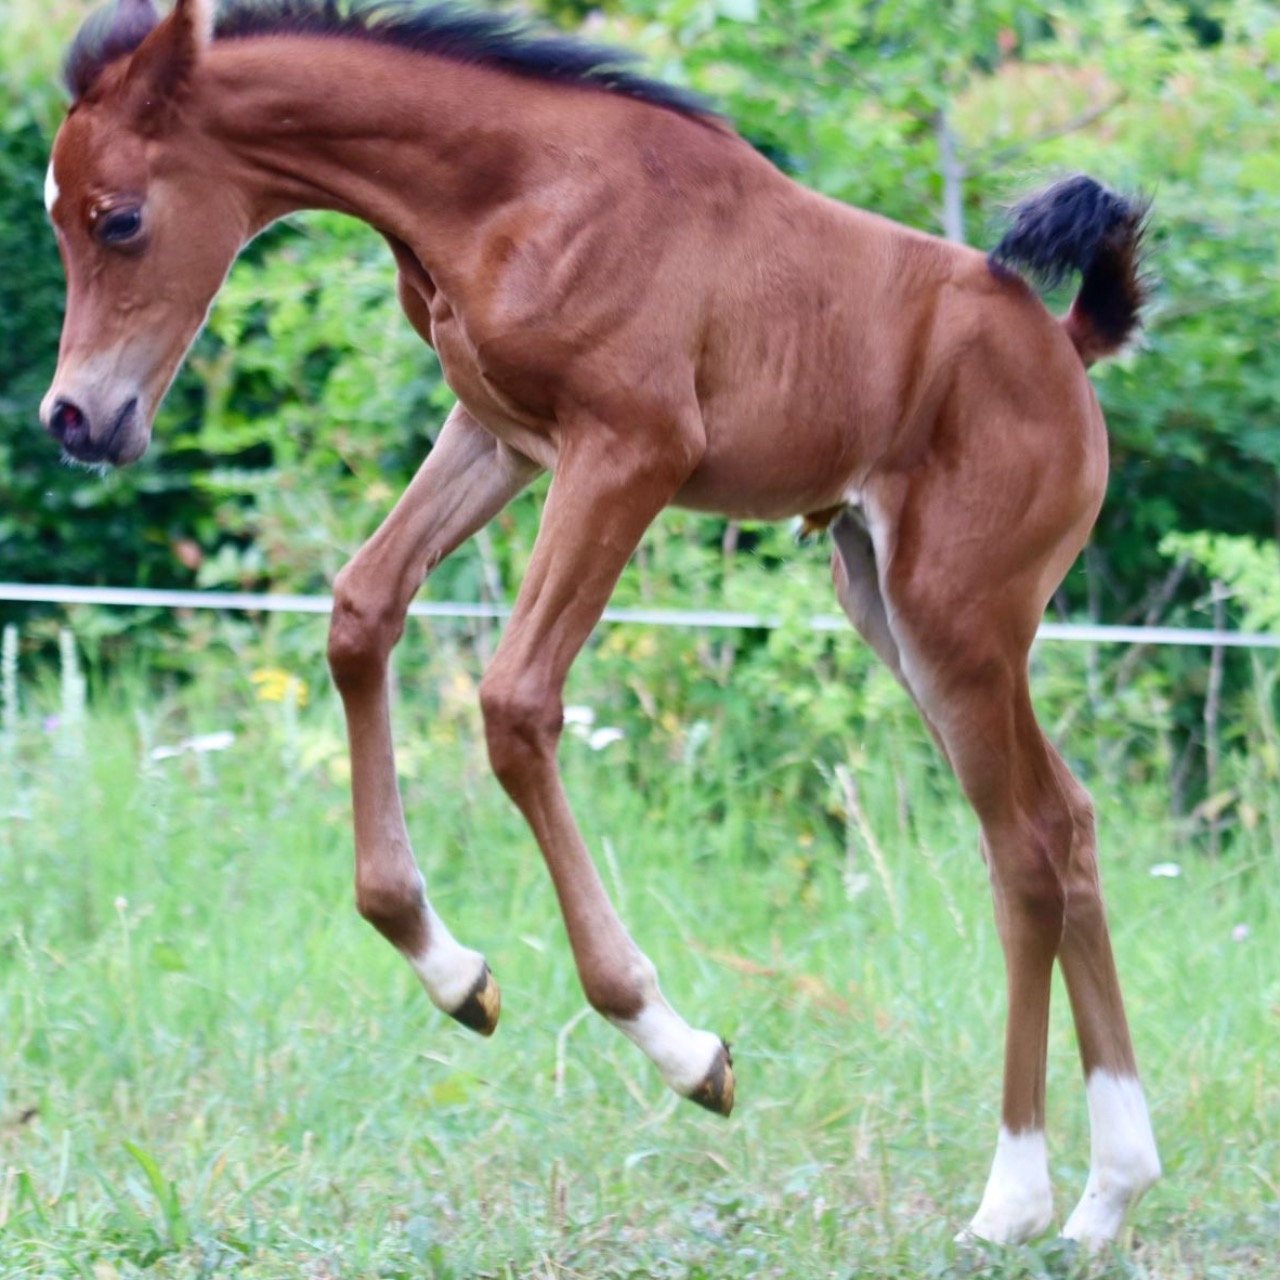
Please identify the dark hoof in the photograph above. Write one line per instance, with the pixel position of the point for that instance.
(716, 1091)
(479, 1011)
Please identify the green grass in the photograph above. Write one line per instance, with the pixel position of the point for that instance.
(210, 1066)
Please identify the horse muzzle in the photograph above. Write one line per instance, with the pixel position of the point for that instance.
(87, 433)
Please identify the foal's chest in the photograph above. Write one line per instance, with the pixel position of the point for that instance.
(505, 394)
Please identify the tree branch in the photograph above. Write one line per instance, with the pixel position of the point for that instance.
(953, 172)
(998, 159)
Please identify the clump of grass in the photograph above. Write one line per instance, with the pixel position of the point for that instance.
(212, 1067)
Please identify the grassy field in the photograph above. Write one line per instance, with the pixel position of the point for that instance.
(210, 1066)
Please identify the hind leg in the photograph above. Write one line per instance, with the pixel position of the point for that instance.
(981, 708)
(969, 681)
(1124, 1162)
(962, 627)
(857, 582)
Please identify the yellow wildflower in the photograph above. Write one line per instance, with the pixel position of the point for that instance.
(276, 685)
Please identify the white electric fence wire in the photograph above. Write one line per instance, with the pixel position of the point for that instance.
(250, 602)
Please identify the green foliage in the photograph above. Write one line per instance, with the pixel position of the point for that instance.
(317, 403)
(308, 402)
(212, 1068)
(311, 398)
(1244, 565)
(57, 523)
(1195, 414)
(853, 99)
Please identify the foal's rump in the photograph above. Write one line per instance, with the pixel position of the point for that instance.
(841, 345)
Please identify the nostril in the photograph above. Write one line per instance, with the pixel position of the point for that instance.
(67, 422)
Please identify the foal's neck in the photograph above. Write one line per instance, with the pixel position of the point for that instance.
(422, 148)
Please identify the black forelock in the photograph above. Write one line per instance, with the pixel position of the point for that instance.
(447, 30)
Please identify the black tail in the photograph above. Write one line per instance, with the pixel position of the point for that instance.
(1078, 225)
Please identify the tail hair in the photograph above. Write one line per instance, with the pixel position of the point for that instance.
(1078, 225)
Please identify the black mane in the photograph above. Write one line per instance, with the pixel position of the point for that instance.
(447, 30)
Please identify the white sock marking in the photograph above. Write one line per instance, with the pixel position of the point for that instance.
(1123, 1162)
(51, 191)
(1018, 1202)
(684, 1056)
(448, 970)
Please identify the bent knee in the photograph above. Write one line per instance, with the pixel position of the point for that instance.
(522, 724)
(1033, 863)
(362, 633)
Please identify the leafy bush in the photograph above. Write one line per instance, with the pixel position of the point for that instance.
(308, 402)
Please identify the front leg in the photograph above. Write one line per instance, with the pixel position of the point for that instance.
(605, 493)
(467, 478)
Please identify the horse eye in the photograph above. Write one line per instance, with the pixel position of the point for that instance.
(120, 227)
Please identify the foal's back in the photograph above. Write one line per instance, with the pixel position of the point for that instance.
(827, 342)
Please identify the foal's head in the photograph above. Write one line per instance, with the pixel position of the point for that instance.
(146, 223)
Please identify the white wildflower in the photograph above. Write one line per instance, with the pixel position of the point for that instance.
(199, 745)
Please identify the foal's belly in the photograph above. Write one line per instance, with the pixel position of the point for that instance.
(764, 461)
(773, 450)
(777, 490)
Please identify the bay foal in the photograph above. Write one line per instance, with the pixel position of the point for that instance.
(623, 292)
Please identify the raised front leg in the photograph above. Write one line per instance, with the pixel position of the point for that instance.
(604, 496)
(467, 478)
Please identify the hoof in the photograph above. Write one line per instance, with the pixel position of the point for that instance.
(479, 1011)
(716, 1090)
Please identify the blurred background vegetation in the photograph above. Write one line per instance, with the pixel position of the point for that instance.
(307, 403)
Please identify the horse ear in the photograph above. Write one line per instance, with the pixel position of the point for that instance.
(166, 60)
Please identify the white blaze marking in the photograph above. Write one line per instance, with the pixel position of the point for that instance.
(1123, 1163)
(1018, 1203)
(50, 190)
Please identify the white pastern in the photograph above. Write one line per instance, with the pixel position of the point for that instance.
(1018, 1202)
(684, 1056)
(50, 190)
(203, 16)
(1124, 1162)
(448, 970)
